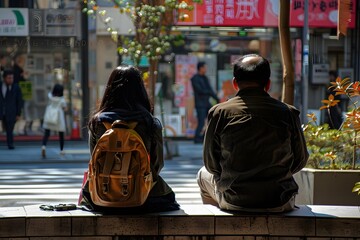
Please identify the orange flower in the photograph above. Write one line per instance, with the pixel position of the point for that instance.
(353, 114)
(330, 155)
(330, 102)
(355, 89)
(312, 116)
(340, 86)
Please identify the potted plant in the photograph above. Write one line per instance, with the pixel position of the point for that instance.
(333, 165)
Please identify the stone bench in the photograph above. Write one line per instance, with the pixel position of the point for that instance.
(191, 222)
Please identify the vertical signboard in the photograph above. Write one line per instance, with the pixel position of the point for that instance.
(226, 88)
(185, 68)
(14, 22)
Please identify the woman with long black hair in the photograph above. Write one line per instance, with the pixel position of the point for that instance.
(125, 98)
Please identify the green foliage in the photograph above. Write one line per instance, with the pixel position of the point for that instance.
(328, 148)
(356, 188)
(152, 20)
(336, 148)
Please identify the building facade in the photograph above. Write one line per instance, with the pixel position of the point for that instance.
(217, 32)
(51, 44)
(43, 38)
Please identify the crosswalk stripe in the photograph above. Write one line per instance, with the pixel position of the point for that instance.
(22, 186)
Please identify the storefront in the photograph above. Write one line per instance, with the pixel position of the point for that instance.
(43, 42)
(217, 32)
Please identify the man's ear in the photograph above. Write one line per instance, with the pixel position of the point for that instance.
(268, 85)
(235, 85)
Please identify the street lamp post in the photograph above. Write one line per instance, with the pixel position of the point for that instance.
(305, 62)
(84, 71)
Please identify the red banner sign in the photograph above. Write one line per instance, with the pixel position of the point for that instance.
(264, 13)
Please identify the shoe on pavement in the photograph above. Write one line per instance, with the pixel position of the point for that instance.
(62, 152)
(43, 151)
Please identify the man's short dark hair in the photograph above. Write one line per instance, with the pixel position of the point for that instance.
(252, 71)
(7, 72)
(200, 65)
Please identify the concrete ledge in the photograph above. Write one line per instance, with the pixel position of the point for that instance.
(191, 222)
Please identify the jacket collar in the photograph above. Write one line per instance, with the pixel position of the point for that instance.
(252, 91)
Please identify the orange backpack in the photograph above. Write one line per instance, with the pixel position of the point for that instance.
(119, 169)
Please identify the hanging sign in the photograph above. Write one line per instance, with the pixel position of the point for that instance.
(263, 13)
(14, 22)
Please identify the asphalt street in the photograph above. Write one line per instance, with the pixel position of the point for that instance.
(26, 178)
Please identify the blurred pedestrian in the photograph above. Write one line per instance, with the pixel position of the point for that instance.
(54, 119)
(334, 115)
(11, 105)
(2, 65)
(18, 68)
(20, 78)
(202, 93)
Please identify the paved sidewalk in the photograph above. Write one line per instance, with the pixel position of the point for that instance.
(78, 151)
(30, 151)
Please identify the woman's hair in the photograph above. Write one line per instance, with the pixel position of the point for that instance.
(58, 90)
(125, 90)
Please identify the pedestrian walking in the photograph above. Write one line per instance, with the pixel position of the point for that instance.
(54, 118)
(2, 66)
(202, 93)
(11, 105)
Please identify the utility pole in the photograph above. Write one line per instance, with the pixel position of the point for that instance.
(305, 62)
(84, 71)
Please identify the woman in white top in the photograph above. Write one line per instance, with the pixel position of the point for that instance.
(56, 99)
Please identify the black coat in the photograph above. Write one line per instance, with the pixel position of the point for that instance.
(12, 104)
(202, 91)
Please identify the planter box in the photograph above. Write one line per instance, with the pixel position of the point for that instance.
(327, 187)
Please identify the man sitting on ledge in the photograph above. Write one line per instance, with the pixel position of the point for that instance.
(253, 146)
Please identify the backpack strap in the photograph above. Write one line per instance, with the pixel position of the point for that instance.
(126, 158)
(109, 161)
(107, 125)
(107, 170)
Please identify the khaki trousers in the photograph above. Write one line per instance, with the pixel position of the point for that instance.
(210, 195)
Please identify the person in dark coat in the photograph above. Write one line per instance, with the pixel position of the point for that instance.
(2, 65)
(10, 105)
(18, 69)
(202, 94)
(334, 115)
(253, 145)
